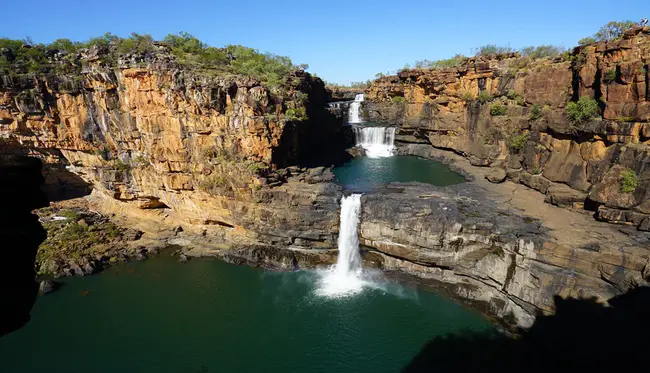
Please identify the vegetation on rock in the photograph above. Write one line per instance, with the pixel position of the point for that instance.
(81, 238)
(484, 97)
(65, 56)
(609, 76)
(455, 61)
(542, 51)
(535, 112)
(611, 31)
(629, 181)
(584, 109)
(516, 143)
(227, 171)
(498, 109)
(398, 100)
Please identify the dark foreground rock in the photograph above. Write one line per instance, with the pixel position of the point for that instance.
(48, 286)
(20, 235)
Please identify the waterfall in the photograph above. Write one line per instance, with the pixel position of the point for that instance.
(355, 107)
(376, 141)
(345, 277)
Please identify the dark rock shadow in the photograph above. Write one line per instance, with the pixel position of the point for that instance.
(583, 336)
(20, 235)
(61, 184)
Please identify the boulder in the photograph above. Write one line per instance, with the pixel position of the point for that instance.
(496, 175)
(48, 286)
(564, 196)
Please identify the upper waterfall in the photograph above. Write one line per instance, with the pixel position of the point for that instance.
(376, 141)
(355, 107)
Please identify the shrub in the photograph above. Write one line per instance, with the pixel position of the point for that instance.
(257, 168)
(498, 109)
(629, 181)
(625, 119)
(586, 41)
(484, 97)
(119, 165)
(492, 49)
(453, 62)
(535, 112)
(398, 100)
(585, 109)
(514, 95)
(517, 143)
(542, 51)
(609, 76)
(467, 97)
(69, 214)
(136, 43)
(297, 114)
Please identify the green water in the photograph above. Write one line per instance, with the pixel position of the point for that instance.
(366, 174)
(209, 316)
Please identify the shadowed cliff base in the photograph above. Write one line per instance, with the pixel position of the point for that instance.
(20, 236)
(582, 336)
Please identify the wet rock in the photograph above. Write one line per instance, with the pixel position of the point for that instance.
(89, 269)
(182, 258)
(496, 175)
(47, 286)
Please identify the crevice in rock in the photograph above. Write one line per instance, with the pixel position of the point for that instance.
(647, 82)
(511, 271)
(575, 80)
(423, 264)
(597, 87)
(220, 223)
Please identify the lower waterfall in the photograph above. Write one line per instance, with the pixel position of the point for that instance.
(345, 277)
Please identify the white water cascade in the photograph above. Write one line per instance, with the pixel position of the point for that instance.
(376, 141)
(345, 277)
(355, 107)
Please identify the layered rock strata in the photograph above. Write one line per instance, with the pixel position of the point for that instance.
(510, 112)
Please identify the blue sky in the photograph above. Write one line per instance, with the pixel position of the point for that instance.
(342, 41)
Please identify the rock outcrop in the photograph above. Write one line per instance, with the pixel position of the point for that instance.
(509, 112)
(163, 146)
(482, 250)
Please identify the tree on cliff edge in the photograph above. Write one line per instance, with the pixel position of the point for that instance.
(611, 31)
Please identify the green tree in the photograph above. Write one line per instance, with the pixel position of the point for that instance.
(585, 109)
(586, 41)
(613, 30)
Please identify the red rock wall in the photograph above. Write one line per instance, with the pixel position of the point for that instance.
(451, 109)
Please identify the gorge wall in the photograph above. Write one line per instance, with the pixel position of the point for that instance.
(509, 112)
(179, 152)
(224, 165)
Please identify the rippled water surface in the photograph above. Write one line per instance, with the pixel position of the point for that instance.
(209, 316)
(366, 174)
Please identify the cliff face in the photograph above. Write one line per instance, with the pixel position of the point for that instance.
(510, 112)
(174, 148)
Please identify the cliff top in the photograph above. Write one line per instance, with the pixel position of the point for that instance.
(20, 58)
(506, 57)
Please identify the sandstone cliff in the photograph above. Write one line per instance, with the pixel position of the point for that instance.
(509, 112)
(178, 148)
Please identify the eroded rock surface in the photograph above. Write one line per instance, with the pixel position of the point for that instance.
(485, 250)
(529, 132)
